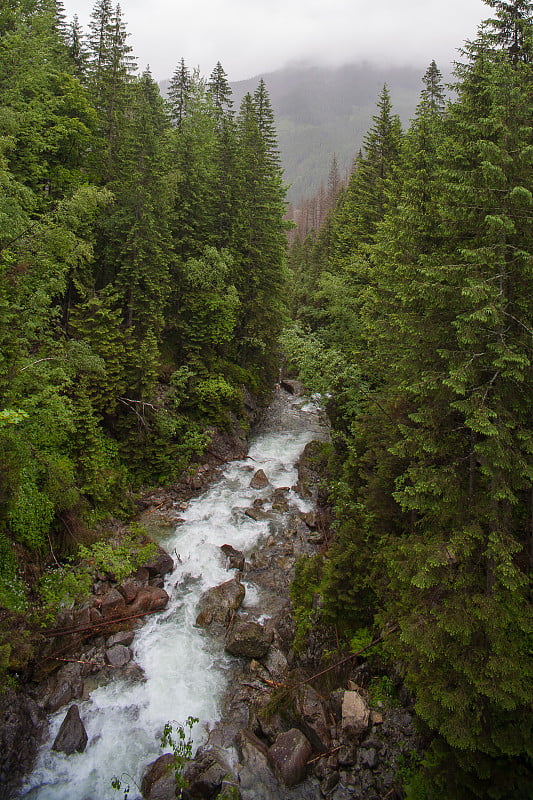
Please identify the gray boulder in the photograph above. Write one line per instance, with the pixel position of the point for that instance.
(219, 603)
(159, 781)
(355, 715)
(65, 685)
(72, 736)
(207, 772)
(314, 719)
(122, 637)
(118, 655)
(289, 755)
(23, 725)
(247, 639)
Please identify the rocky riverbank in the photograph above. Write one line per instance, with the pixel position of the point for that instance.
(285, 735)
(90, 642)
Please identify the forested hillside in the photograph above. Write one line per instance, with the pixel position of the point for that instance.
(414, 312)
(321, 111)
(325, 111)
(141, 275)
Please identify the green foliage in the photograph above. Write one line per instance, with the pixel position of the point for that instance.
(12, 591)
(421, 280)
(179, 739)
(118, 559)
(11, 417)
(304, 590)
(61, 587)
(381, 690)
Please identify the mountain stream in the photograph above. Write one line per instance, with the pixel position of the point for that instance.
(185, 668)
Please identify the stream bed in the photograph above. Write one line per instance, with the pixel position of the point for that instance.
(185, 668)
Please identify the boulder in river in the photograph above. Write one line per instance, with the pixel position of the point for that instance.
(159, 781)
(259, 480)
(235, 557)
(219, 603)
(149, 599)
(247, 639)
(72, 736)
(160, 564)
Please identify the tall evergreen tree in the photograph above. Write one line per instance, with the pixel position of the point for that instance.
(178, 92)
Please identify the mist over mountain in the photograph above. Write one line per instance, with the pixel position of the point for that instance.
(324, 110)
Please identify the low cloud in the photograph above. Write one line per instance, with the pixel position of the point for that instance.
(253, 36)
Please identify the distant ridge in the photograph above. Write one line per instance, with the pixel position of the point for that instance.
(325, 110)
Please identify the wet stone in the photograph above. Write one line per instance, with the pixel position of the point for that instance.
(118, 655)
(72, 736)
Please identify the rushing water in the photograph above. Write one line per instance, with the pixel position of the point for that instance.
(185, 668)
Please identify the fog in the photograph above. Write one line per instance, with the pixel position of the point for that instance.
(250, 37)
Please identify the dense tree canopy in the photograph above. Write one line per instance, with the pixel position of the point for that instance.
(421, 328)
(138, 255)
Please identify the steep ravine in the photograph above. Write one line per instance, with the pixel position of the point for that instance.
(226, 660)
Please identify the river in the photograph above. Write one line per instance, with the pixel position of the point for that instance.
(185, 669)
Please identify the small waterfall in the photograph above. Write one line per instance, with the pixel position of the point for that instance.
(185, 668)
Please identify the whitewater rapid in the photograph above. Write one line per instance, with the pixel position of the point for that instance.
(185, 668)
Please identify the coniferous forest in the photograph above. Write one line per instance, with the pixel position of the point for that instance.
(145, 282)
(413, 310)
(142, 271)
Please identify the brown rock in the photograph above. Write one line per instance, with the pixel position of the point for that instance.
(148, 600)
(259, 480)
(247, 639)
(159, 781)
(95, 616)
(289, 755)
(257, 514)
(235, 557)
(219, 603)
(130, 589)
(113, 605)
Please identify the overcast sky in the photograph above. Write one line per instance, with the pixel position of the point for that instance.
(250, 37)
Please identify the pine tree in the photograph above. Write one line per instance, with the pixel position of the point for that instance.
(220, 90)
(178, 92)
(111, 68)
(260, 237)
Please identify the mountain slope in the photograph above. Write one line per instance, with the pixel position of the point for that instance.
(321, 111)
(325, 110)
